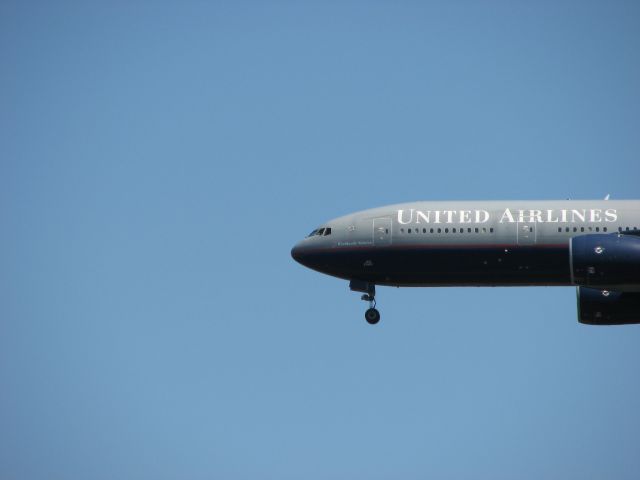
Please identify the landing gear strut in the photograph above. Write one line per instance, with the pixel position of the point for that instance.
(372, 316)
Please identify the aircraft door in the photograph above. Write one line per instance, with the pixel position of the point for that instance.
(527, 233)
(381, 232)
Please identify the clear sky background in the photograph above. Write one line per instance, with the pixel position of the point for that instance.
(158, 160)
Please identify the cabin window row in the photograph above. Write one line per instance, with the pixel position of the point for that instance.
(597, 229)
(581, 229)
(448, 230)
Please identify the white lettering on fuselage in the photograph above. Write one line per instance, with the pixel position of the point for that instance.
(442, 216)
(593, 215)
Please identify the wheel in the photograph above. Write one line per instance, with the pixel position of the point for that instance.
(372, 316)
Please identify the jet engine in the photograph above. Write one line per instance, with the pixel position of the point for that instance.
(606, 261)
(608, 307)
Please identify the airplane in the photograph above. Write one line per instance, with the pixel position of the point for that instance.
(591, 244)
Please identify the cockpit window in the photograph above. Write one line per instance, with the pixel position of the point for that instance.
(324, 231)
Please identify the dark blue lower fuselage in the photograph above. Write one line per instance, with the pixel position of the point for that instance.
(445, 265)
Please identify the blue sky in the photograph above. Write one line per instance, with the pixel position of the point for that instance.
(157, 162)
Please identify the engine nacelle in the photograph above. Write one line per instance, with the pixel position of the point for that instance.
(607, 307)
(606, 261)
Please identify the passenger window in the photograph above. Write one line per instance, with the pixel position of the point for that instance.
(567, 229)
(469, 230)
(484, 229)
(439, 230)
(446, 230)
(591, 229)
(491, 230)
(424, 230)
(431, 230)
(454, 230)
(476, 229)
(604, 229)
(582, 229)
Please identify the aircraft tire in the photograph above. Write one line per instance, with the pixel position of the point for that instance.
(372, 316)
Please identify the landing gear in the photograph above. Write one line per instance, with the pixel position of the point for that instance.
(372, 316)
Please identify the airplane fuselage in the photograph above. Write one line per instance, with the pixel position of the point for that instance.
(463, 243)
(485, 243)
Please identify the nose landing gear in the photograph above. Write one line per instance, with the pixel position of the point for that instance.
(372, 315)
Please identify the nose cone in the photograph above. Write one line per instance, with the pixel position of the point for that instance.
(296, 253)
(317, 258)
(304, 254)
